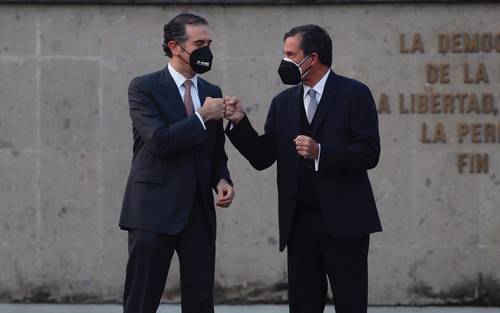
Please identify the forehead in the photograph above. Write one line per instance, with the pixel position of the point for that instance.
(197, 32)
(292, 44)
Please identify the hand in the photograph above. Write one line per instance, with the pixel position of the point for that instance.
(212, 109)
(225, 194)
(233, 111)
(307, 147)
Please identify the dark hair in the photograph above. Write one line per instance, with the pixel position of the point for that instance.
(176, 29)
(314, 39)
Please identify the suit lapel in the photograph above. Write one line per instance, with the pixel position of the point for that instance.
(293, 111)
(327, 100)
(173, 100)
(202, 90)
(297, 104)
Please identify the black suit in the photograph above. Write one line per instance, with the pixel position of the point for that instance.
(168, 203)
(343, 211)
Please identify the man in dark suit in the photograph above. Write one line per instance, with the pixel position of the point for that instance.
(323, 134)
(178, 158)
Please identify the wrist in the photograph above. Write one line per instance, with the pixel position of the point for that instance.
(239, 118)
(203, 114)
(222, 181)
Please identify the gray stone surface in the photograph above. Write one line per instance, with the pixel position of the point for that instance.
(69, 96)
(18, 31)
(107, 308)
(18, 225)
(18, 95)
(66, 142)
(71, 227)
(225, 2)
(66, 31)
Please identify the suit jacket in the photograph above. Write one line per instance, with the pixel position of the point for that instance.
(346, 126)
(173, 156)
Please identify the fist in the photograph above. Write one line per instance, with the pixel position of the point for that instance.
(233, 110)
(225, 194)
(306, 147)
(212, 109)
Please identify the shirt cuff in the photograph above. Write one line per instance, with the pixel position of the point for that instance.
(316, 162)
(201, 120)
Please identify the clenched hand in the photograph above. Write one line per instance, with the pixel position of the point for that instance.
(225, 194)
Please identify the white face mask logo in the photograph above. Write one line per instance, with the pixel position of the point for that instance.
(207, 64)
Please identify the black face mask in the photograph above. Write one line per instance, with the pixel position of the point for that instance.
(200, 59)
(290, 72)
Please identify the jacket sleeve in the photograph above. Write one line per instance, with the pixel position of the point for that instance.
(260, 151)
(219, 158)
(364, 149)
(164, 140)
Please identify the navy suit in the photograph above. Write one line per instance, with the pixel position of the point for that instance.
(168, 203)
(343, 212)
(172, 156)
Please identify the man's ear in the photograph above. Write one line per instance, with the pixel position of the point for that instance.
(174, 47)
(314, 58)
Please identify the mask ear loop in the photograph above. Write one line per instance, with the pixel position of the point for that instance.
(307, 57)
(184, 51)
(306, 71)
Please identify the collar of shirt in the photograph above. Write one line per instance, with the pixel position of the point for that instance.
(179, 79)
(319, 87)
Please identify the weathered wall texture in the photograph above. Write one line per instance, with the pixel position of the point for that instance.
(66, 140)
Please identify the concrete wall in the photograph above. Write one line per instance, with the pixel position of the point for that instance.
(65, 149)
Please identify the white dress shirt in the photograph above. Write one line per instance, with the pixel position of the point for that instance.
(319, 88)
(179, 80)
